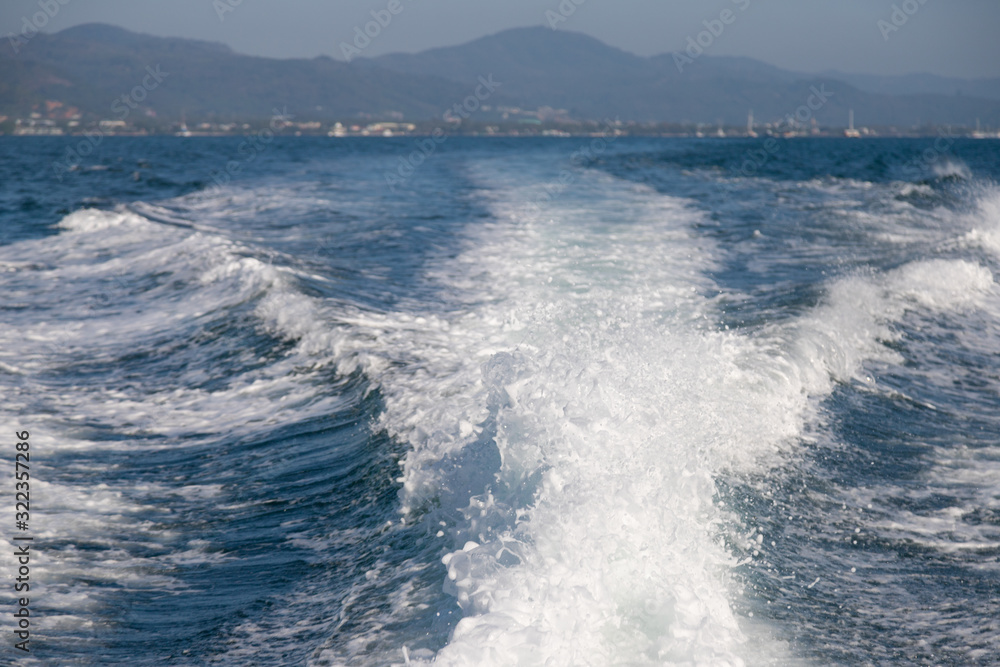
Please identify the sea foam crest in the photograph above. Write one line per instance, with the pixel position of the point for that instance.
(985, 222)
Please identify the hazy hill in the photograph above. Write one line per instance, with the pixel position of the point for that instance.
(539, 66)
(90, 66)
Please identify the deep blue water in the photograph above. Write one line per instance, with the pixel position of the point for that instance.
(674, 401)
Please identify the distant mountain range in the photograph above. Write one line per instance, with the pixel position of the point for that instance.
(89, 67)
(591, 79)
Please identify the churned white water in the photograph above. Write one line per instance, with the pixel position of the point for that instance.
(578, 370)
(567, 405)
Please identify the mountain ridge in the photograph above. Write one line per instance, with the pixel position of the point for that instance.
(712, 89)
(90, 66)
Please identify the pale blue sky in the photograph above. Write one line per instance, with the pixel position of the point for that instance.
(948, 37)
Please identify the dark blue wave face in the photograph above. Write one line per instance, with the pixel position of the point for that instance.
(923, 160)
(796, 200)
(640, 401)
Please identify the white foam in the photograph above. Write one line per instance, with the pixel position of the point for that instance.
(84, 534)
(91, 220)
(71, 322)
(961, 482)
(584, 330)
(96, 292)
(985, 223)
(951, 168)
(619, 399)
(942, 284)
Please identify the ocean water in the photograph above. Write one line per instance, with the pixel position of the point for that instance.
(543, 402)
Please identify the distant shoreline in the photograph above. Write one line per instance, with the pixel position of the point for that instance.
(626, 130)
